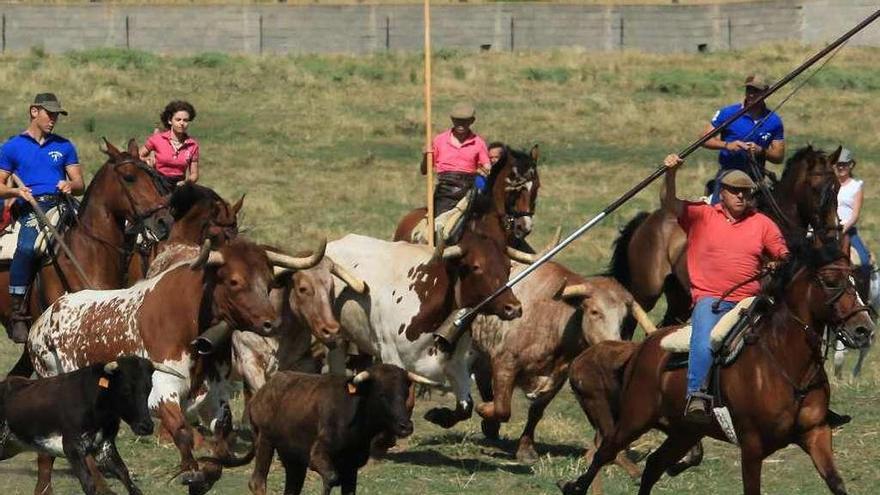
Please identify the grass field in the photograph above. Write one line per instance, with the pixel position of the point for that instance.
(329, 145)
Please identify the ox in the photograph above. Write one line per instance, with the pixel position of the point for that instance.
(413, 290)
(563, 313)
(77, 415)
(325, 423)
(304, 301)
(158, 318)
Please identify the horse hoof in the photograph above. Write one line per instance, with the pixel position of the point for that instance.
(191, 478)
(490, 429)
(527, 456)
(442, 417)
(568, 488)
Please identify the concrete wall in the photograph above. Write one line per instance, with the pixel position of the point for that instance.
(373, 28)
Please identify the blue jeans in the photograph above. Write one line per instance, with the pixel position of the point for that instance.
(21, 271)
(856, 241)
(703, 320)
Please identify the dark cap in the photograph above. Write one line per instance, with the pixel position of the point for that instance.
(756, 81)
(738, 179)
(49, 102)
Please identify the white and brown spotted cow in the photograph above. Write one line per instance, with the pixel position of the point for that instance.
(412, 290)
(563, 313)
(158, 318)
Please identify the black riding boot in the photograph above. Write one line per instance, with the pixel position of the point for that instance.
(19, 320)
(837, 420)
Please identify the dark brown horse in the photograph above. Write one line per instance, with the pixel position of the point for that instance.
(514, 183)
(777, 391)
(649, 255)
(199, 213)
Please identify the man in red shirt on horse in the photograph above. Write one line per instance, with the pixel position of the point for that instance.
(727, 245)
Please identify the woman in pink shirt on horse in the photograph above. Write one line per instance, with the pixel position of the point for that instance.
(174, 153)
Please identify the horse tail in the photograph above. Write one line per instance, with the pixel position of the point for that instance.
(23, 367)
(619, 266)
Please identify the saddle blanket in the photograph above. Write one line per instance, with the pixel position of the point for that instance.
(9, 236)
(679, 341)
(444, 225)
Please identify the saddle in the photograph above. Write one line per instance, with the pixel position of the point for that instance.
(727, 339)
(9, 236)
(447, 225)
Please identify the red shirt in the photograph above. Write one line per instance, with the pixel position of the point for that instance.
(450, 155)
(722, 252)
(172, 163)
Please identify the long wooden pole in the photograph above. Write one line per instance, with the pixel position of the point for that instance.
(429, 155)
(465, 315)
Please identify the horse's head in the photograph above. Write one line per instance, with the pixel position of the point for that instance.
(822, 281)
(515, 185)
(131, 190)
(200, 213)
(810, 183)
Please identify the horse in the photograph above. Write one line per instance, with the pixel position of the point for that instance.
(777, 391)
(648, 257)
(199, 214)
(514, 184)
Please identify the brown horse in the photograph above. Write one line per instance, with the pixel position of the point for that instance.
(649, 258)
(514, 183)
(199, 213)
(777, 390)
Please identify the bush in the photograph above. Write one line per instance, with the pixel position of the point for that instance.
(861, 79)
(689, 82)
(113, 58)
(558, 75)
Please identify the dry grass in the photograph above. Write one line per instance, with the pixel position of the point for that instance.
(368, 2)
(329, 145)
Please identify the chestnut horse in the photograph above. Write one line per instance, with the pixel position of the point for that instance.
(514, 183)
(649, 258)
(777, 391)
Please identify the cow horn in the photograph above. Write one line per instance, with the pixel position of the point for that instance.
(642, 317)
(529, 258)
(361, 377)
(452, 252)
(295, 263)
(579, 290)
(202, 258)
(164, 368)
(349, 278)
(111, 367)
(421, 380)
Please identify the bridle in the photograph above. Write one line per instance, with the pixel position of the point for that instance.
(513, 187)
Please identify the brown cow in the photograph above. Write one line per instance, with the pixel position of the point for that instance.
(158, 318)
(563, 313)
(325, 423)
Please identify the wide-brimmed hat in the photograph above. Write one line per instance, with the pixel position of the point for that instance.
(756, 81)
(49, 102)
(737, 179)
(462, 111)
(846, 156)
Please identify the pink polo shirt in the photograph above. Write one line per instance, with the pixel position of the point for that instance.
(722, 252)
(452, 156)
(172, 163)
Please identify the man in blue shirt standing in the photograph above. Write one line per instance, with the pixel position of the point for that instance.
(756, 136)
(47, 165)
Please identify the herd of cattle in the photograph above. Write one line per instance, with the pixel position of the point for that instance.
(129, 351)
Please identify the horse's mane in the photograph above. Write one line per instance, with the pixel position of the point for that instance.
(511, 159)
(800, 158)
(803, 255)
(84, 203)
(188, 195)
(619, 266)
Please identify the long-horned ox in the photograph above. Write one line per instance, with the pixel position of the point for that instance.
(412, 291)
(158, 318)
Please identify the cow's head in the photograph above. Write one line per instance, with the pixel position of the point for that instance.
(480, 265)
(240, 275)
(128, 382)
(605, 305)
(310, 296)
(387, 391)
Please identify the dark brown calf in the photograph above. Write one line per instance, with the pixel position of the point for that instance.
(325, 423)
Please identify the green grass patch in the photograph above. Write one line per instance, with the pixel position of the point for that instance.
(558, 75)
(688, 82)
(114, 58)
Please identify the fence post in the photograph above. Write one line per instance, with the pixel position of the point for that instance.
(3, 35)
(387, 33)
(621, 32)
(512, 34)
(729, 34)
(127, 33)
(260, 35)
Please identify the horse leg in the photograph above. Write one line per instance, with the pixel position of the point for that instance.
(693, 458)
(672, 449)
(839, 356)
(752, 459)
(817, 444)
(525, 452)
(607, 452)
(44, 474)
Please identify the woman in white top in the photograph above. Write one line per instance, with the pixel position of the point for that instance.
(849, 205)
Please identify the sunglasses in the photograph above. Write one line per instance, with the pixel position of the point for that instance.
(736, 191)
(843, 165)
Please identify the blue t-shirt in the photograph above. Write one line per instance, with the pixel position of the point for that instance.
(40, 167)
(744, 129)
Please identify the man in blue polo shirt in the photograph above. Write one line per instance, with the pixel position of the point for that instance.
(758, 135)
(47, 165)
